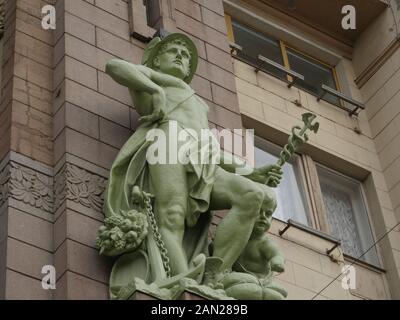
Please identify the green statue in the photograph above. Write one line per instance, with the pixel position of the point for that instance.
(254, 269)
(157, 215)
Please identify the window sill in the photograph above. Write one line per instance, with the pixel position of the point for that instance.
(363, 264)
(320, 243)
(317, 241)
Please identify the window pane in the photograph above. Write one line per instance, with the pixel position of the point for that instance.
(289, 194)
(346, 214)
(153, 12)
(255, 43)
(315, 74)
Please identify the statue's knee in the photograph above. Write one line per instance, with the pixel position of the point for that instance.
(270, 294)
(273, 202)
(270, 198)
(171, 216)
(251, 201)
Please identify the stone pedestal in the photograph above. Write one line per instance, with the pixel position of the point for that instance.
(185, 296)
(142, 296)
(190, 296)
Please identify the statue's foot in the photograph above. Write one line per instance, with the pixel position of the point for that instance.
(152, 289)
(195, 272)
(204, 291)
(212, 274)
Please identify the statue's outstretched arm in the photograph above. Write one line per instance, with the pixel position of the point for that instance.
(234, 164)
(271, 251)
(269, 174)
(135, 77)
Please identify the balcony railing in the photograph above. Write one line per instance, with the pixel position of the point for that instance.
(342, 97)
(235, 48)
(296, 76)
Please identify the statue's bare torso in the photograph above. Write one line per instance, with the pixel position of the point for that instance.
(181, 104)
(254, 258)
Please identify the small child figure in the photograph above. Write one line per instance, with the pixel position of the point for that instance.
(255, 266)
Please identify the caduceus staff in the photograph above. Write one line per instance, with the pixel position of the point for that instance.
(297, 138)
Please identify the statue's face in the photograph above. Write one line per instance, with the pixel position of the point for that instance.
(263, 222)
(175, 61)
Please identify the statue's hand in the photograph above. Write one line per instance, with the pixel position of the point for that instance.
(277, 264)
(270, 175)
(159, 102)
(155, 116)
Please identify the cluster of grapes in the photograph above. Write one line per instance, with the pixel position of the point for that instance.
(122, 233)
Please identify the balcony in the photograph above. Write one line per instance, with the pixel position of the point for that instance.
(327, 17)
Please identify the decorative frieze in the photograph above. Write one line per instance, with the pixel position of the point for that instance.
(4, 178)
(36, 189)
(78, 185)
(31, 187)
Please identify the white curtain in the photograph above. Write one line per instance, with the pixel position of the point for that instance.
(347, 214)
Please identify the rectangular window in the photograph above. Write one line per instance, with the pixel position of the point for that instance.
(255, 43)
(322, 198)
(153, 13)
(346, 214)
(143, 18)
(314, 72)
(291, 194)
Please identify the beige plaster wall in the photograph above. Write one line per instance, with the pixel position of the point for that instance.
(268, 100)
(381, 94)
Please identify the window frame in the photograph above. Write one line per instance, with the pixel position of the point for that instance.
(314, 202)
(284, 46)
(367, 212)
(297, 161)
(293, 48)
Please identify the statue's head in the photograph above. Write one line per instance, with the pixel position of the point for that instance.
(264, 220)
(263, 223)
(175, 55)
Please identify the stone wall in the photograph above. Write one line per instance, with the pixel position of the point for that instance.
(381, 92)
(26, 152)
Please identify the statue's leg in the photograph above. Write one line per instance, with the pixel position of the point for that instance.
(171, 194)
(244, 198)
(271, 294)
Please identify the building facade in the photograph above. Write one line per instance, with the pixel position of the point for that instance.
(262, 64)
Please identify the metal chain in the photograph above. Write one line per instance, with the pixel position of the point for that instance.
(157, 236)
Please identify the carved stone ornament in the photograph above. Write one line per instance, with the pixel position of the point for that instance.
(41, 191)
(4, 189)
(30, 187)
(80, 186)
